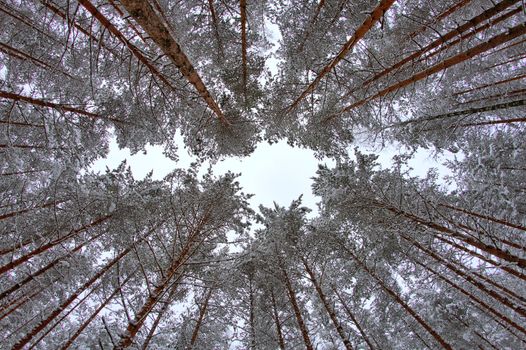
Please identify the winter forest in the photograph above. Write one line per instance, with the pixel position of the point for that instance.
(388, 260)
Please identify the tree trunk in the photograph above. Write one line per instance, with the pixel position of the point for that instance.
(353, 318)
(475, 299)
(402, 303)
(296, 308)
(56, 106)
(360, 32)
(45, 247)
(133, 49)
(95, 313)
(472, 23)
(202, 313)
(328, 308)
(275, 315)
(497, 40)
(145, 15)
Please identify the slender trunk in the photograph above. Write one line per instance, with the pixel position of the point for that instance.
(497, 40)
(517, 308)
(281, 340)
(489, 108)
(86, 323)
(504, 255)
(472, 23)
(23, 172)
(360, 32)
(353, 318)
(12, 123)
(29, 241)
(243, 13)
(27, 57)
(22, 211)
(152, 24)
(397, 298)
(44, 323)
(133, 49)
(202, 313)
(328, 308)
(160, 315)
(492, 122)
(45, 247)
(216, 28)
(296, 308)
(485, 217)
(57, 106)
(441, 16)
(474, 299)
(49, 266)
(499, 82)
(154, 297)
(483, 258)
(472, 33)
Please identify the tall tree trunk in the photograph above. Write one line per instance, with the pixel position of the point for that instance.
(152, 24)
(497, 40)
(57, 106)
(327, 306)
(281, 341)
(476, 300)
(45, 247)
(133, 49)
(517, 308)
(472, 23)
(94, 314)
(296, 308)
(360, 32)
(216, 28)
(202, 313)
(353, 318)
(397, 298)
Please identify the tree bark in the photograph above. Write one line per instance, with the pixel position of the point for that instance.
(202, 313)
(328, 308)
(360, 32)
(281, 341)
(472, 23)
(296, 308)
(497, 40)
(148, 19)
(353, 318)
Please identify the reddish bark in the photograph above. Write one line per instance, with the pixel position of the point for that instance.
(397, 298)
(133, 49)
(296, 308)
(360, 32)
(102, 305)
(476, 300)
(472, 23)
(327, 306)
(216, 28)
(311, 24)
(281, 340)
(49, 245)
(517, 308)
(153, 25)
(353, 318)
(202, 313)
(497, 40)
(56, 106)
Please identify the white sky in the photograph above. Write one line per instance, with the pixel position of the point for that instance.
(273, 173)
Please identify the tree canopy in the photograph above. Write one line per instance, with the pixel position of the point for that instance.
(389, 261)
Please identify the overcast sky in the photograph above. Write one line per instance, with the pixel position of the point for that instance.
(273, 173)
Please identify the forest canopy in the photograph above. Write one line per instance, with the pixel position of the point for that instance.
(389, 260)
